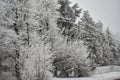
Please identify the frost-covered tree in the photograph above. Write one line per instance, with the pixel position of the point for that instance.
(7, 37)
(113, 50)
(102, 46)
(89, 36)
(104, 51)
(68, 16)
(43, 24)
(118, 47)
(92, 35)
(14, 18)
(44, 16)
(69, 57)
(37, 59)
(24, 17)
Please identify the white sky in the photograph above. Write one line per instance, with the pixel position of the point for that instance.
(108, 11)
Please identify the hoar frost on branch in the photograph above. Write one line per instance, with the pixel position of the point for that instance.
(38, 60)
(70, 56)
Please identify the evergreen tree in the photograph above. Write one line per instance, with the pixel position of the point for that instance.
(68, 15)
(93, 36)
(113, 53)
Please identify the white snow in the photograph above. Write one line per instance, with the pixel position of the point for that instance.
(107, 76)
(75, 79)
(105, 69)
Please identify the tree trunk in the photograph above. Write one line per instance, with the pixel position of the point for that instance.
(0, 67)
(64, 73)
(17, 66)
(55, 73)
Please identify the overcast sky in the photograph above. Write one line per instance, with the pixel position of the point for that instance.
(108, 11)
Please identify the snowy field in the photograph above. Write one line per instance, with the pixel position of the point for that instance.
(107, 76)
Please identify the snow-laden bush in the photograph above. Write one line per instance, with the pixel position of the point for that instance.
(37, 60)
(70, 57)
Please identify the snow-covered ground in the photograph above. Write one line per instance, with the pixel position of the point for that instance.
(105, 69)
(107, 76)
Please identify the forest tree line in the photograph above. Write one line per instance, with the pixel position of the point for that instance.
(44, 38)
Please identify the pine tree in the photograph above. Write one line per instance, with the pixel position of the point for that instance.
(118, 42)
(68, 15)
(113, 53)
(103, 49)
(93, 36)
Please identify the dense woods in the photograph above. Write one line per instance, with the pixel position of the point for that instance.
(41, 39)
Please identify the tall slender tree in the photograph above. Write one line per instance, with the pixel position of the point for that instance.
(15, 19)
(93, 36)
(113, 56)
